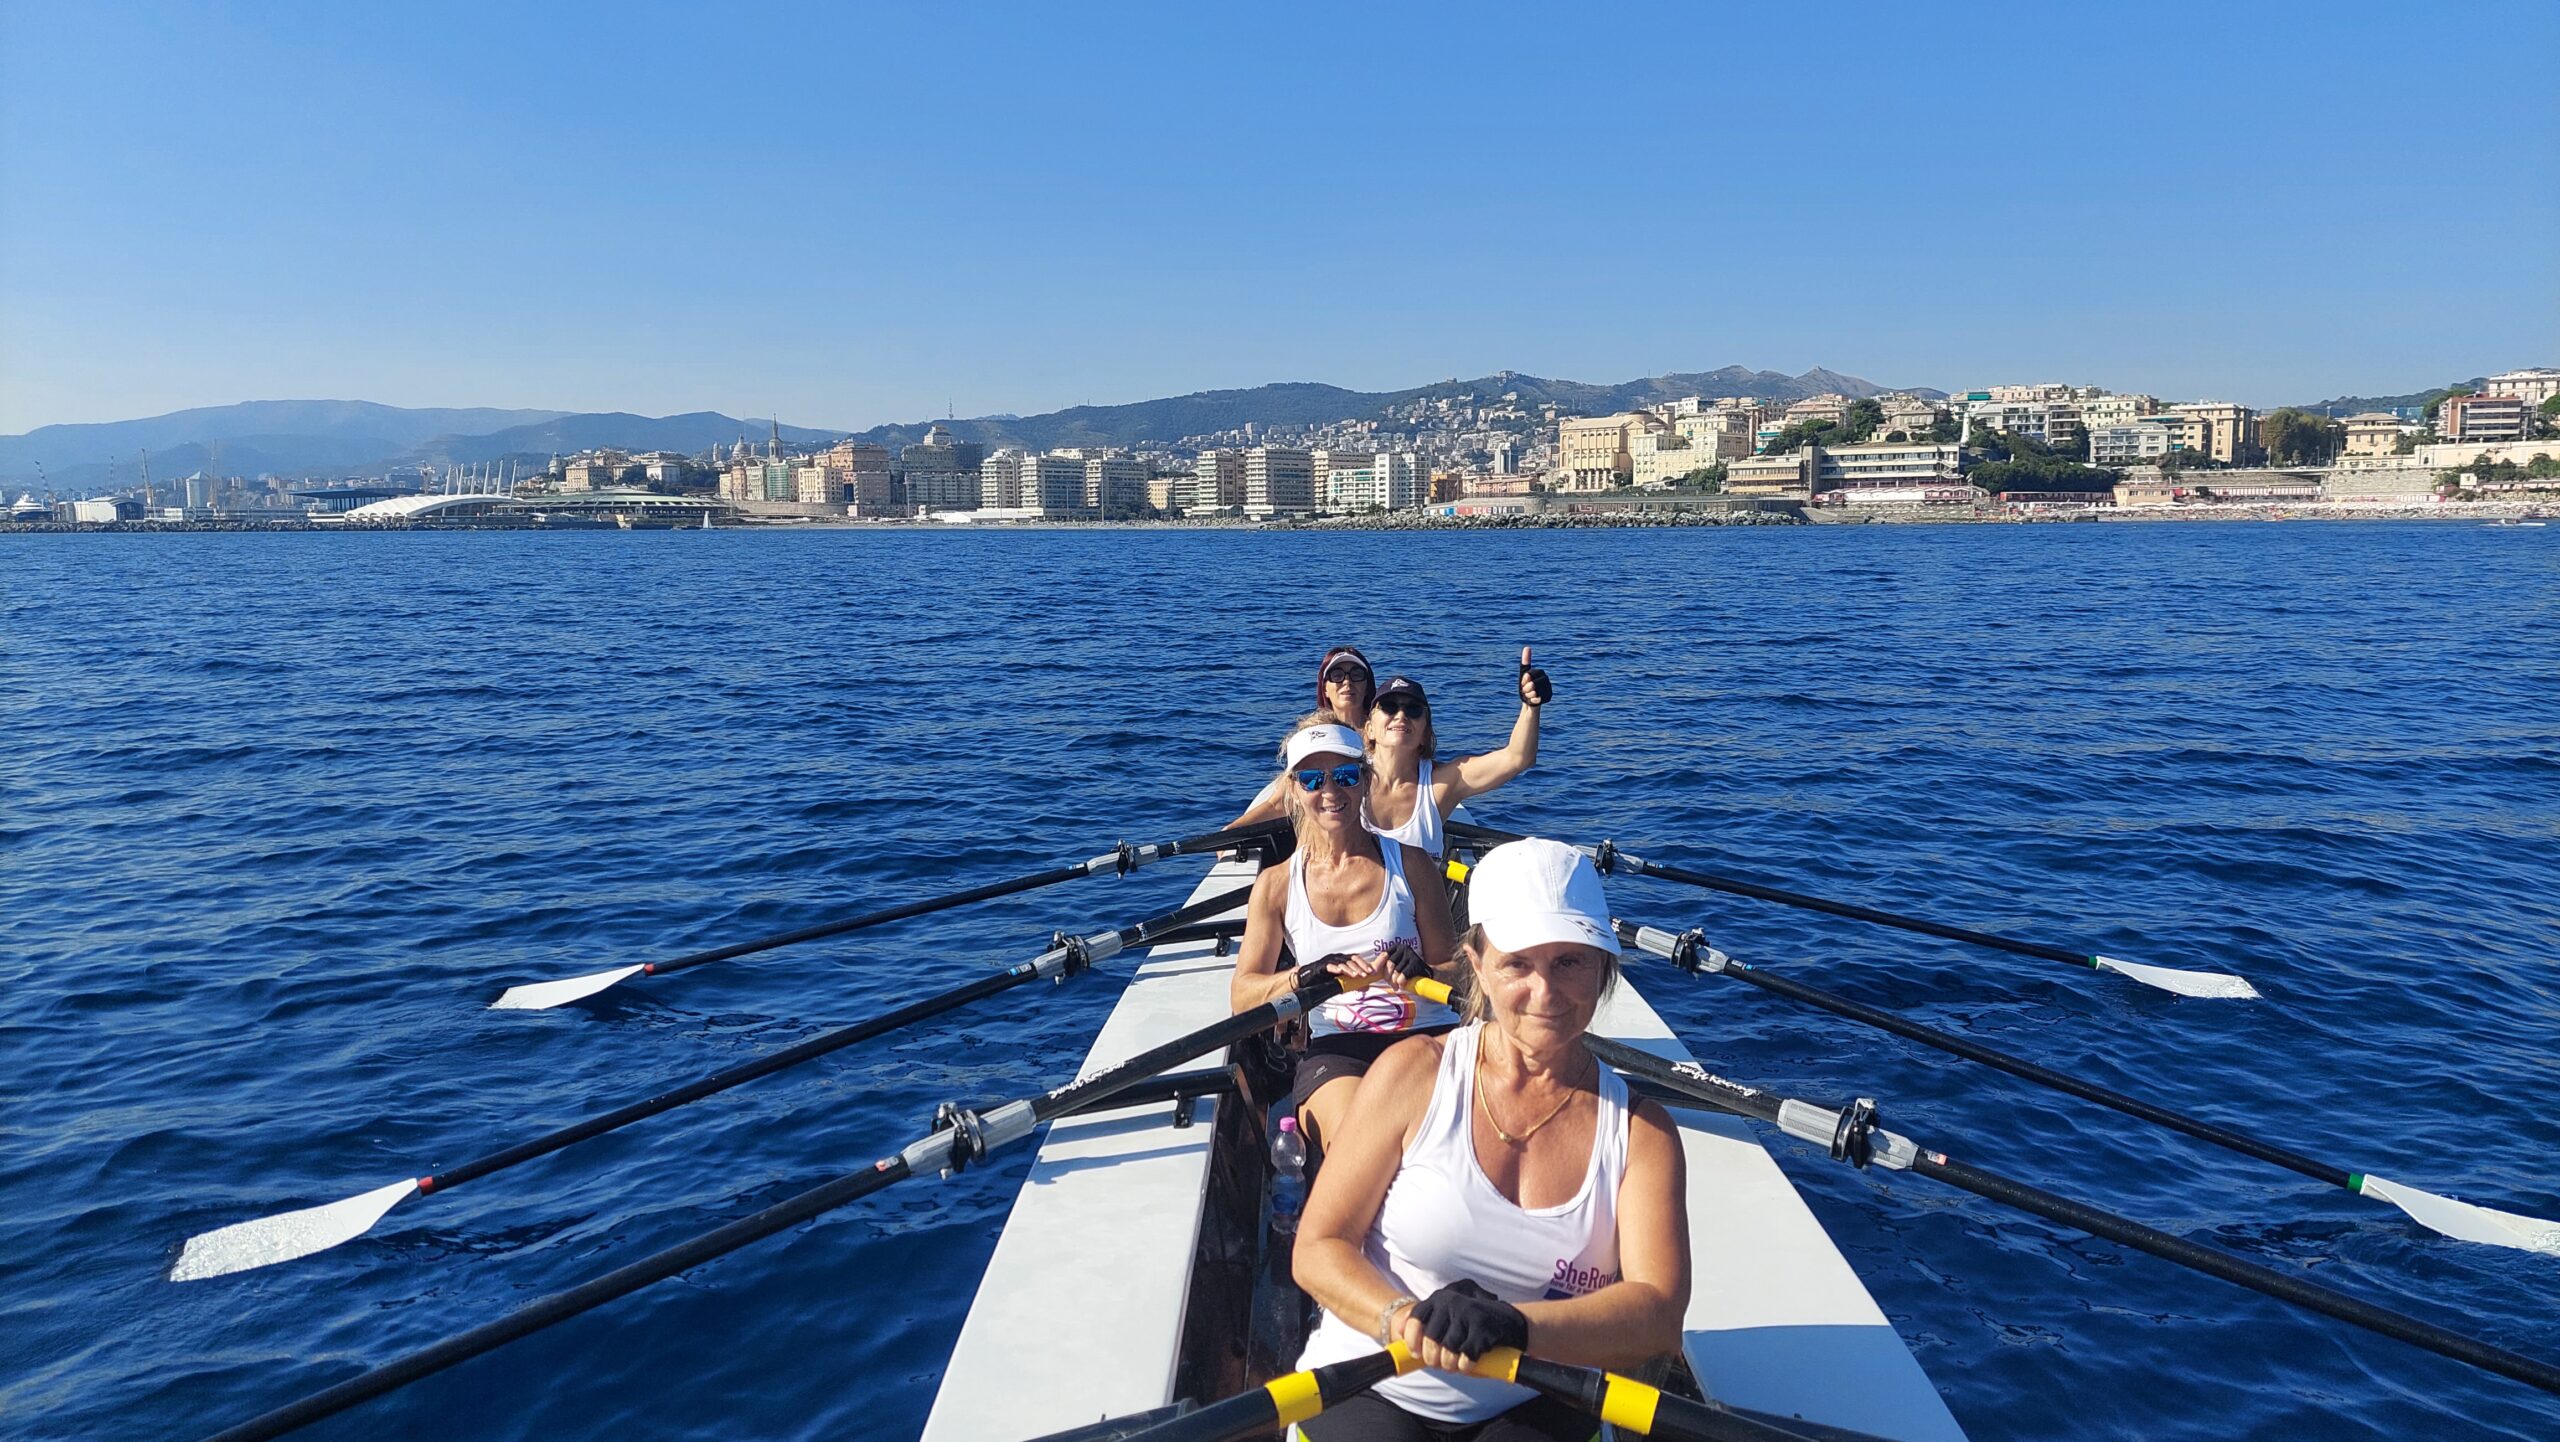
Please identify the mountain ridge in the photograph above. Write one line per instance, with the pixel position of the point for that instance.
(302, 438)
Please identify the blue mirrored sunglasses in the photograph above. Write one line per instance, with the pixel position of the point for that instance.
(1345, 776)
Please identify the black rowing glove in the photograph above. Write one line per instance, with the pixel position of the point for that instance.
(1471, 1321)
(1535, 688)
(1404, 958)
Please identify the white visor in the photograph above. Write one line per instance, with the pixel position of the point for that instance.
(1317, 740)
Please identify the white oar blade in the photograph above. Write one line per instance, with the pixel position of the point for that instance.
(2184, 983)
(543, 995)
(284, 1236)
(2464, 1221)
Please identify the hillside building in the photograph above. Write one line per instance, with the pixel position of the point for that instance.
(2482, 418)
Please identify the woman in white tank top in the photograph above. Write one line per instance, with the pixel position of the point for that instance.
(1494, 1187)
(1352, 903)
(1410, 796)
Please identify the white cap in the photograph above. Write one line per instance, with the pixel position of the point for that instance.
(1533, 891)
(1317, 740)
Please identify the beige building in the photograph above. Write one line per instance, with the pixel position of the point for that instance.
(2106, 409)
(1878, 471)
(2533, 385)
(2231, 431)
(1592, 452)
(2373, 433)
(1785, 475)
(1279, 481)
(1911, 415)
(1217, 482)
(1829, 406)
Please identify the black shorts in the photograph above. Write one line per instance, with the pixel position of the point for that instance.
(1342, 1054)
(1371, 1418)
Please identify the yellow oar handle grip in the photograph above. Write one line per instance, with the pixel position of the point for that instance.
(1625, 1403)
(1457, 870)
(1300, 1395)
(1429, 988)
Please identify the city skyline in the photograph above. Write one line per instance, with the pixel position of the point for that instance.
(607, 210)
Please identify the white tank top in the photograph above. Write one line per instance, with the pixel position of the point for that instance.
(1443, 1220)
(1421, 830)
(1381, 1008)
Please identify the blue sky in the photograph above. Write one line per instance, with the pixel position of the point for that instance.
(856, 215)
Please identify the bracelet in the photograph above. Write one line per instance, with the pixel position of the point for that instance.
(1387, 1317)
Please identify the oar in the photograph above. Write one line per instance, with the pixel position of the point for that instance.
(542, 995)
(285, 1236)
(960, 1137)
(1278, 1403)
(2465, 1221)
(2166, 978)
(1853, 1134)
(1646, 1411)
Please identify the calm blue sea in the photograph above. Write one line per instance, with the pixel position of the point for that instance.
(282, 813)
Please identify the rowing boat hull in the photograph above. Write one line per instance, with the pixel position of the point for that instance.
(1113, 1289)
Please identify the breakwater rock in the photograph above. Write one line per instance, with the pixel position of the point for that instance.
(1545, 521)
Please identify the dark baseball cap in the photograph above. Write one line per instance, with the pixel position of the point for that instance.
(1400, 686)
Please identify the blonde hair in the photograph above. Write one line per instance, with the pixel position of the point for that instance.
(1472, 1003)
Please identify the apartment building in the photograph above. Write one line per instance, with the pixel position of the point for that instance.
(2231, 431)
(1278, 481)
(2133, 443)
(1592, 452)
(2048, 422)
(2482, 418)
(1881, 471)
(2373, 433)
(2533, 385)
(1217, 482)
(2105, 409)
(941, 474)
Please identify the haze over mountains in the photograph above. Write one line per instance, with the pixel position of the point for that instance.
(335, 438)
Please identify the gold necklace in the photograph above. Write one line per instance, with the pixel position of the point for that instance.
(1487, 1107)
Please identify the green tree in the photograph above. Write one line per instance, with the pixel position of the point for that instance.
(2296, 437)
(2409, 441)
(1945, 429)
(2546, 419)
(1804, 433)
(1862, 421)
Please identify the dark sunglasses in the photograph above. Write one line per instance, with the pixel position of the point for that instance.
(1346, 671)
(1346, 776)
(1404, 706)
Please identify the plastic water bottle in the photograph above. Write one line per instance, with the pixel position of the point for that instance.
(1288, 1177)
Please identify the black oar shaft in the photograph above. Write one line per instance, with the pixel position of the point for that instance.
(560, 1306)
(1810, 1121)
(901, 912)
(1188, 846)
(810, 1050)
(1954, 1045)
(1147, 932)
(1281, 1402)
(939, 1148)
(1757, 892)
(1645, 1411)
(2439, 1340)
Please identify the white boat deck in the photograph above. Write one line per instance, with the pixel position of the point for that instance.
(1079, 1316)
